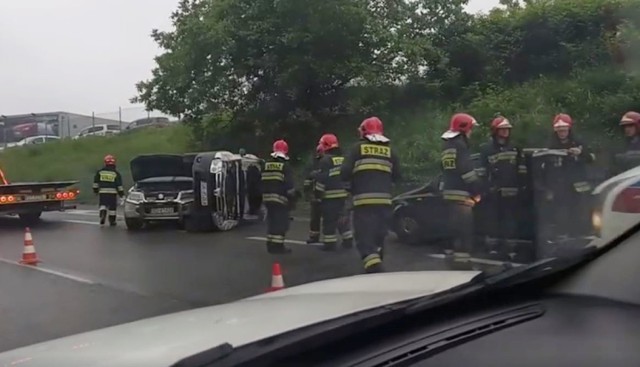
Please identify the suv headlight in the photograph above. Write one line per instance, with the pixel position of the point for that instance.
(135, 197)
(184, 196)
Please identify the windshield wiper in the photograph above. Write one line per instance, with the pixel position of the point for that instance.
(516, 275)
(527, 272)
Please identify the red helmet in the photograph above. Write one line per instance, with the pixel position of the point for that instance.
(109, 160)
(462, 123)
(371, 126)
(500, 122)
(281, 146)
(319, 149)
(328, 141)
(630, 118)
(562, 120)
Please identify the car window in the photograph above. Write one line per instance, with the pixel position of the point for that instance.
(113, 127)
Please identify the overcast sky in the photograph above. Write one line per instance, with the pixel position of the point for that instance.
(82, 56)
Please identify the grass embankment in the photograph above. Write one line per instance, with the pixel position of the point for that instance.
(79, 159)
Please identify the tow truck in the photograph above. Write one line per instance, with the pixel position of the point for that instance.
(28, 200)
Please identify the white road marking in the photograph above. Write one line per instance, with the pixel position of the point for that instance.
(49, 271)
(80, 222)
(80, 212)
(294, 242)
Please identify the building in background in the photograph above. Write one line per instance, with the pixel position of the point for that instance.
(62, 124)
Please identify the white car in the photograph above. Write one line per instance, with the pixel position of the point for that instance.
(617, 205)
(164, 340)
(39, 139)
(98, 130)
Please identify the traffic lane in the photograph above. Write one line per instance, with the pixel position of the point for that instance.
(36, 307)
(198, 268)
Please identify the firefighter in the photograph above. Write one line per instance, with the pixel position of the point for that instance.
(461, 186)
(107, 183)
(309, 184)
(278, 195)
(630, 156)
(565, 184)
(369, 169)
(503, 171)
(331, 190)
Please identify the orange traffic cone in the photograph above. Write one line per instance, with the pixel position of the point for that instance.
(277, 282)
(29, 256)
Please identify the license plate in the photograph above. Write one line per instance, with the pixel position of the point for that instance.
(162, 211)
(35, 197)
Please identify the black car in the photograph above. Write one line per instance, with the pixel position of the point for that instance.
(163, 187)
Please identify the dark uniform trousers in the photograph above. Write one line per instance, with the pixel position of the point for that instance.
(370, 224)
(108, 206)
(462, 230)
(503, 219)
(314, 224)
(277, 224)
(335, 219)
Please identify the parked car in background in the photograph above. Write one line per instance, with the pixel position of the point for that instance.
(98, 130)
(40, 139)
(149, 122)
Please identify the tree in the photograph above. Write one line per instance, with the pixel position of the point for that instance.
(283, 65)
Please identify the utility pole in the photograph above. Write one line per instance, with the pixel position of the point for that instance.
(93, 119)
(120, 116)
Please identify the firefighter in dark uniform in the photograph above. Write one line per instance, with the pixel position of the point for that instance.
(278, 195)
(369, 169)
(503, 173)
(333, 195)
(107, 183)
(461, 187)
(565, 186)
(309, 185)
(630, 156)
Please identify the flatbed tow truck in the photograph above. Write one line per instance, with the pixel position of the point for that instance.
(28, 200)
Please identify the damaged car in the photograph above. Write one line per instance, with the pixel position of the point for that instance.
(163, 188)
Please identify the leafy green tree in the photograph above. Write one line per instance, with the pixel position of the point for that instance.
(281, 67)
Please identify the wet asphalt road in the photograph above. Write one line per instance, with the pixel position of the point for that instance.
(94, 277)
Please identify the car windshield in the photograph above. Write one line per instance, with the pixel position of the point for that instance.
(388, 149)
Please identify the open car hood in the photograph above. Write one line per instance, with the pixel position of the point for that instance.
(161, 165)
(163, 340)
